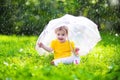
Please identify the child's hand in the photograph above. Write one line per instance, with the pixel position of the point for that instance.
(76, 51)
(40, 45)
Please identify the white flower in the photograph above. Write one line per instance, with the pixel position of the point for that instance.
(5, 63)
(110, 67)
(116, 35)
(21, 50)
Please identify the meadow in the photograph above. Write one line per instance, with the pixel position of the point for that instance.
(20, 61)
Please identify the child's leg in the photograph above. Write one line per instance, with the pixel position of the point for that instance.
(67, 60)
(57, 61)
(72, 59)
(76, 60)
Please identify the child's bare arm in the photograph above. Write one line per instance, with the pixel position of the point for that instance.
(41, 45)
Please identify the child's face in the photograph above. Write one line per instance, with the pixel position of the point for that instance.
(61, 35)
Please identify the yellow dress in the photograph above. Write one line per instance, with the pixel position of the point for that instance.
(62, 50)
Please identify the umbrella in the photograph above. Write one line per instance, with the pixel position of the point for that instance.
(82, 31)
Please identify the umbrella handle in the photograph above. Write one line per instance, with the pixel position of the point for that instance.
(74, 51)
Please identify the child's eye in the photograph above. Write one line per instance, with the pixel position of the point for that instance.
(63, 34)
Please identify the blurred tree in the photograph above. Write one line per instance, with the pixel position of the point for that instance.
(6, 17)
(114, 14)
(30, 16)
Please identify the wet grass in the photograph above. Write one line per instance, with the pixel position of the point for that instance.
(20, 61)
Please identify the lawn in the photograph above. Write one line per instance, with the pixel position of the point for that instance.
(20, 61)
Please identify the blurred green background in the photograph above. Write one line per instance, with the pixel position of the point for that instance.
(28, 17)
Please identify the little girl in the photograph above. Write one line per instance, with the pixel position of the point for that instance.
(62, 48)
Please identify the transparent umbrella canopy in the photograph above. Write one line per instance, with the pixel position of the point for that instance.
(81, 30)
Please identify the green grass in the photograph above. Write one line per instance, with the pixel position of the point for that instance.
(20, 61)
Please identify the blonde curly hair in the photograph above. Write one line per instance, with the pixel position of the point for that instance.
(64, 28)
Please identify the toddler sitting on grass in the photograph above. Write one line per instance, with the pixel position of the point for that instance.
(62, 48)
